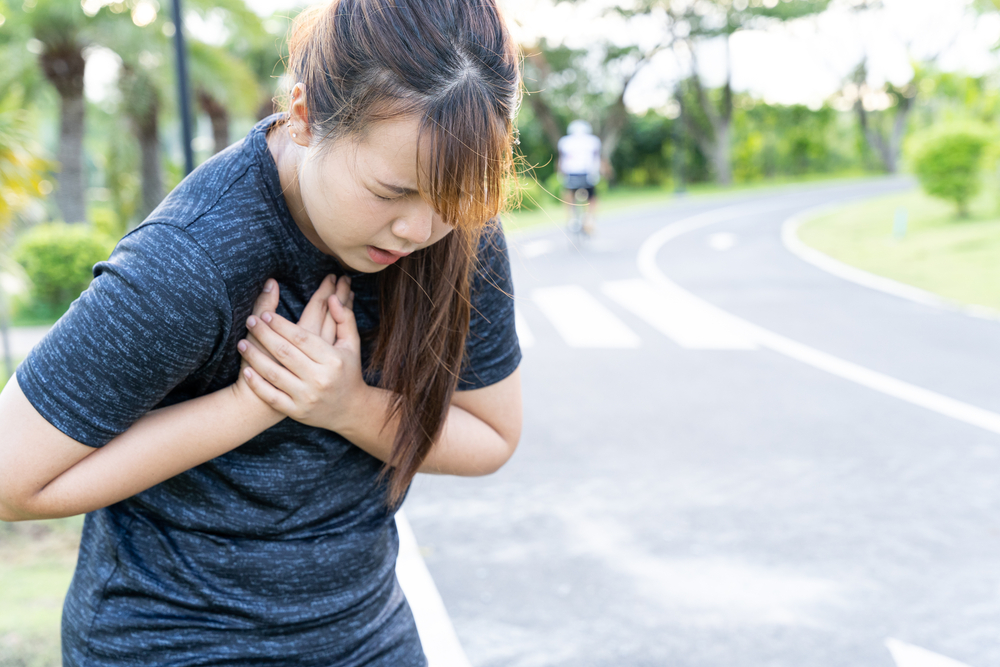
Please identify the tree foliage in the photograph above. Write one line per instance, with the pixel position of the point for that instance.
(948, 161)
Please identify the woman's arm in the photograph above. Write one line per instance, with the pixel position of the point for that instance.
(46, 474)
(322, 385)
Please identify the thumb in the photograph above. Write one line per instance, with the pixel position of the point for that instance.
(347, 326)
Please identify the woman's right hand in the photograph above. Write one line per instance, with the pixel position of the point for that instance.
(316, 317)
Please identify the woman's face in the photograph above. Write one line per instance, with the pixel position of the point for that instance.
(361, 199)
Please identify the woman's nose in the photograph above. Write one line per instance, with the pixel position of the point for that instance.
(416, 225)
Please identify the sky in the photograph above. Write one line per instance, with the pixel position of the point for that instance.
(802, 62)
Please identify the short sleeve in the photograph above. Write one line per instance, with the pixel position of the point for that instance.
(491, 350)
(153, 314)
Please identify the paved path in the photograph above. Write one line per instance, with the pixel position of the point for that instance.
(688, 492)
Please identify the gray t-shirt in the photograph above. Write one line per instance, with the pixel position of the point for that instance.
(281, 551)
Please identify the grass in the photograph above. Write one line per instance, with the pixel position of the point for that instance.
(956, 258)
(36, 564)
(553, 212)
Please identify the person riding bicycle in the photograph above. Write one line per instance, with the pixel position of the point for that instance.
(580, 166)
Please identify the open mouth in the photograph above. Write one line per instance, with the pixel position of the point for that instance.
(384, 257)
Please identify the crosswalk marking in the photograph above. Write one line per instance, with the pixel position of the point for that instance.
(581, 319)
(682, 319)
(908, 655)
(524, 335)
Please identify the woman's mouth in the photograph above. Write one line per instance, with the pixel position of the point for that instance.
(384, 257)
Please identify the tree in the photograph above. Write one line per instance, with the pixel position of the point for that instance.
(565, 83)
(947, 162)
(709, 117)
(63, 31)
(882, 113)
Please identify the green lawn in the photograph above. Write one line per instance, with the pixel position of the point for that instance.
(554, 212)
(956, 258)
(36, 564)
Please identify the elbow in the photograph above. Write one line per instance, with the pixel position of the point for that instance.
(12, 511)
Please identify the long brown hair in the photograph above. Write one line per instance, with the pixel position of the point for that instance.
(453, 63)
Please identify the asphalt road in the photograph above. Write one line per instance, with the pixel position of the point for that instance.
(703, 499)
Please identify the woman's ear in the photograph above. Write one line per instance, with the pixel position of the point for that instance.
(298, 116)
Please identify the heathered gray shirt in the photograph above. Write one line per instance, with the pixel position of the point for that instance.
(282, 551)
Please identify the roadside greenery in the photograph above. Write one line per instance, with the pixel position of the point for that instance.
(58, 259)
(948, 162)
(955, 260)
(36, 564)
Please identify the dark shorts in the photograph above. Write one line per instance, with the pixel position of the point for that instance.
(580, 182)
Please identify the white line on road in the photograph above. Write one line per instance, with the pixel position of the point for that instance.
(437, 635)
(524, 335)
(581, 319)
(905, 391)
(721, 241)
(908, 655)
(790, 238)
(679, 316)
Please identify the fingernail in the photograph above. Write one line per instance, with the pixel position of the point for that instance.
(242, 346)
(268, 286)
(266, 317)
(251, 322)
(246, 373)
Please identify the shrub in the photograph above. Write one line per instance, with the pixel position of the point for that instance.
(947, 163)
(58, 259)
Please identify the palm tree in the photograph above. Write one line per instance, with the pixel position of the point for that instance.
(62, 28)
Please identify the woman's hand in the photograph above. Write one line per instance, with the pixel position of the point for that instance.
(311, 374)
(315, 318)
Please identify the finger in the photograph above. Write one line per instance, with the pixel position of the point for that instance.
(350, 301)
(306, 348)
(343, 289)
(283, 349)
(347, 326)
(268, 393)
(315, 310)
(250, 337)
(269, 369)
(329, 332)
(268, 297)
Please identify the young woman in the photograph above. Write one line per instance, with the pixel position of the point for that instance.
(245, 516)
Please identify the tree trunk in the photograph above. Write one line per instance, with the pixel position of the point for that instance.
(152, 173)
(219, 116)
(64, 68)
(722, 153)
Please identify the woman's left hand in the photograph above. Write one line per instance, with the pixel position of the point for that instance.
(303, 376)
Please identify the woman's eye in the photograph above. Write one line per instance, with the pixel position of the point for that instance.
(378, 196)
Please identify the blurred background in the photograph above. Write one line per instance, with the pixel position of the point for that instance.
(779, 443)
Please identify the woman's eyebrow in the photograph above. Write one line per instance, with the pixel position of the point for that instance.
(397, 189)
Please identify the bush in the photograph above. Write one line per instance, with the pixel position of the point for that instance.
(58, 259)
(948, 163)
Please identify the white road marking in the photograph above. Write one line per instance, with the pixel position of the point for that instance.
(679, 316)
(524, 335)
(721, 241)
(790, 238)
(581, 319)
(441, 645)
(890, 386)
(537, 248)
(908, 655)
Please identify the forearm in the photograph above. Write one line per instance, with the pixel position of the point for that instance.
(160, 445)
(466, 445)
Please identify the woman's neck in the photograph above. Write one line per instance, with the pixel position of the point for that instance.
(287, 156)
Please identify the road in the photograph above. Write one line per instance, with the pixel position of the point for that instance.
(796, 486)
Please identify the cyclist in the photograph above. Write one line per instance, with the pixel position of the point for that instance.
(580, 166)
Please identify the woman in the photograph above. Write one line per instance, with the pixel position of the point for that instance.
(220, 531)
